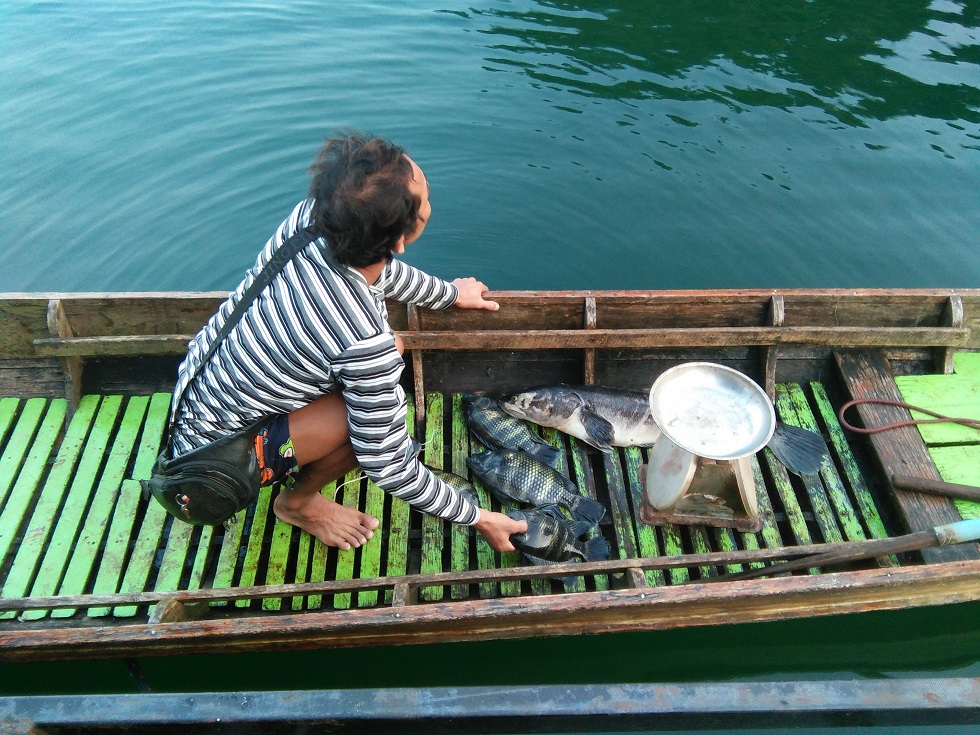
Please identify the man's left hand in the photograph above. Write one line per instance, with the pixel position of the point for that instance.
(472, 295)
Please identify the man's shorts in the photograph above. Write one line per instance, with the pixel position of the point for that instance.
(274, 451)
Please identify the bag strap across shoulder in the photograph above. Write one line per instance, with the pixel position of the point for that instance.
(293, 245)
(277, 262)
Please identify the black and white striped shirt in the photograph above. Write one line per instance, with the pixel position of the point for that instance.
(314, 330)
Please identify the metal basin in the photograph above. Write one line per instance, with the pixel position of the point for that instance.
(712, 411)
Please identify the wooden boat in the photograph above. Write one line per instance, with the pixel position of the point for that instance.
(91, 569)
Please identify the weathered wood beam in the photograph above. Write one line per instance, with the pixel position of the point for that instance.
(417, 374)
(564, 339)
(60, 328)
(775, 317)
(589, 322)
(558, 339)
(952, 317)
(125, 346)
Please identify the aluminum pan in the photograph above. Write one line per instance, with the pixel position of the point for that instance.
(712, 411)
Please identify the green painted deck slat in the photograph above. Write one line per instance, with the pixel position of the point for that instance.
(303, 559)
(619, 507)
(144, 552)
(80, 554)
(224, 572)
(486, 557)
(275, 571)
(845, 458)
(769, 534)
(19, 444)
(8, 412)
(846, 514)
(319, 553)
(674, 546)
(433, 528)
(459, 536)
(200, 558)
(646, 535)
(701, 543)
(59, 488)
(124, 514)
(174, 557)
(787, 496)
(374, 504)
(819, 502)
(586, 486)
(346, 559)
(256, 535)
(725, 539)
(399, 524)
(557, 440)
(35, 465)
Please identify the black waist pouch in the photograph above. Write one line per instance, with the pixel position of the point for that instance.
(211, 484)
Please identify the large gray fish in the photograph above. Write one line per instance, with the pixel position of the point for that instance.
(552, 537)
(602, 417)
(515, 476)
(498, 430)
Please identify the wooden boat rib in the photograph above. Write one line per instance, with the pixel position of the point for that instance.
(84, 559)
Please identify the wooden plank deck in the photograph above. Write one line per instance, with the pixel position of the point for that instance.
(74, 520)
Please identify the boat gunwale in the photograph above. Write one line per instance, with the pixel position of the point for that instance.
(618, 610)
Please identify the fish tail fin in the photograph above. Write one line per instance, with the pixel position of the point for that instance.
(587, 509)
(547, 454)
(596, 549)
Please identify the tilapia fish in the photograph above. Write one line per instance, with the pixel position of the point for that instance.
(552, 537)
(457, 483)
(498, 430)
(515, 476)
(602, 417)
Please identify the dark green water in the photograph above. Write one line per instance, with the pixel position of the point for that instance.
(629, 144)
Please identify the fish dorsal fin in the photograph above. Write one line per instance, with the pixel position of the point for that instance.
(599, 429)
(580, 528)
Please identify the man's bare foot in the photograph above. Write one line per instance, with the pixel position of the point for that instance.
(332, 523)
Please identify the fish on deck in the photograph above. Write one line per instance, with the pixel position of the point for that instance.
(600, 416)
(515, 476)
(552, 537)
(497, 429)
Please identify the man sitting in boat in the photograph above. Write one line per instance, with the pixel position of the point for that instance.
(315, 353)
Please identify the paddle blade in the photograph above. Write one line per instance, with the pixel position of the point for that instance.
(802, 451)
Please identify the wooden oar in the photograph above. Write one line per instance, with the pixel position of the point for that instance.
(952, 533)
(936, 487)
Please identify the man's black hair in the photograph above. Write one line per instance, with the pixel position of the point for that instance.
(362, 202)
